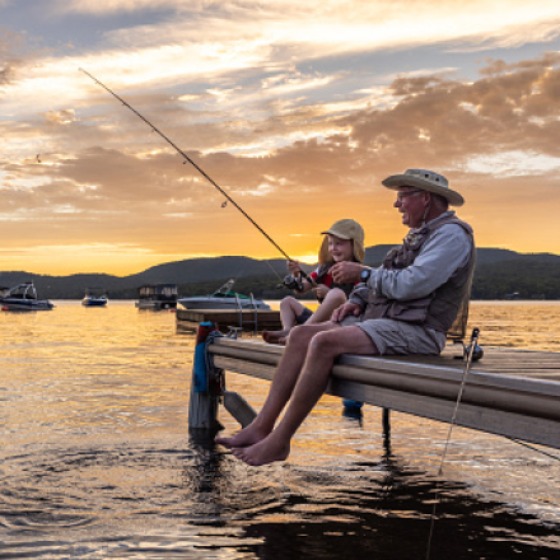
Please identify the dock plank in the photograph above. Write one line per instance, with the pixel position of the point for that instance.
(508, 392)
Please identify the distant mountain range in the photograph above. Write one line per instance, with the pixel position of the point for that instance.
(500, 274)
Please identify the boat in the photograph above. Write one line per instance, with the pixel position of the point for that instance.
(23, 297)
(513, 295)
(223, 298)
(93, 298)
(157, 297)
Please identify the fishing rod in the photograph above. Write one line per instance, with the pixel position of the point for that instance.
(194, 164)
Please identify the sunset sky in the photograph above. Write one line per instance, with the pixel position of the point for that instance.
(298, 109)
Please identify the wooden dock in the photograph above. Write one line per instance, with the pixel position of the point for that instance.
(513, 393)
(245, 319)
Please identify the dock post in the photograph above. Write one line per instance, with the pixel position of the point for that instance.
(203, 404)
(386, 424)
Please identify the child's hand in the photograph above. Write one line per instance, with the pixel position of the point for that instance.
(293, 267)
(321, 291)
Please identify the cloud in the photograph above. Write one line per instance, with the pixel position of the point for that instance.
(514, 107)
(65, 116)
(103, 7)
(334, 22)
(272, 103)
(209, 43)
(514, 163)
(446, 124)
(11, 54)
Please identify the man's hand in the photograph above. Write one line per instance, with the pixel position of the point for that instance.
(347, 272)
(344, 310)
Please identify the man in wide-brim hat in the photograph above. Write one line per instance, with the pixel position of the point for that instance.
(426, 181)
(408, 305)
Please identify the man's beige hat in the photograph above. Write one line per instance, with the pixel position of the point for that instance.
(427, 181)
(344, 229)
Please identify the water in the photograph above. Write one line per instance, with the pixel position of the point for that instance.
(97, 462)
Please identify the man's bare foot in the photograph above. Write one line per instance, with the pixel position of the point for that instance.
(268, 450)
(275, 337)
(248, 436)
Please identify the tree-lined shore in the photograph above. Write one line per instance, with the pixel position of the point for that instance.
(500, 274)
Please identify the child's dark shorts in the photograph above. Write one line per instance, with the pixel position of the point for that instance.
(303, 316)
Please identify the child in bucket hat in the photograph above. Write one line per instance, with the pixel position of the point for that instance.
(343, 241)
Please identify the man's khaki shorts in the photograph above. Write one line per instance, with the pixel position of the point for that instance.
(398, 337)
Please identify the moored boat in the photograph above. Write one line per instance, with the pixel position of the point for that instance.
(157, 296)
(93, 299)
(23, 297)
(223, 298)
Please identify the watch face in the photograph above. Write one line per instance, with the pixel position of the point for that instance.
(365, 275)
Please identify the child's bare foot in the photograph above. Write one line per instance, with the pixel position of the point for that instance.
(274, 337)
(248, 436)
(268, 450)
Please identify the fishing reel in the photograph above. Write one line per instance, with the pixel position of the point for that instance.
(293, 283)
(473, 350)
(477, 352)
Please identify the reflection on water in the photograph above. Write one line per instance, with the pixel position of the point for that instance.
(97, 463)
(521, 324)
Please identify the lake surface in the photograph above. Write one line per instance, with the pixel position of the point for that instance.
(96, 460)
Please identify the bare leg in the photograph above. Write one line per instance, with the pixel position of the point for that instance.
(283, 383)
(323, 348)
(290, 310)
(334, 298)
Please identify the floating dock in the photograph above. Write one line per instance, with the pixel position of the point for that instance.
(244, 319)
(510, 392)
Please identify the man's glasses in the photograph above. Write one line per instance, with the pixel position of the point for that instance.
(405, 194)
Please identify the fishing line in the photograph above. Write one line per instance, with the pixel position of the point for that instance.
(470, 354)
(533, 448)
(193, 163)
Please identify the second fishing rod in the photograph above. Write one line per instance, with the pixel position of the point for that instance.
(195, 165)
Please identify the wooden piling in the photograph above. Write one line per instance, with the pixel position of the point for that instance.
(203, 404)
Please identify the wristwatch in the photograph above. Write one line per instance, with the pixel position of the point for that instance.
(364, 275)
